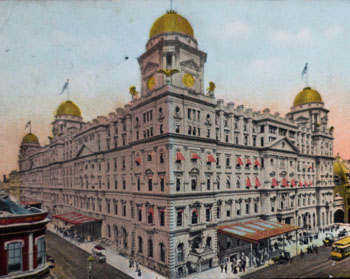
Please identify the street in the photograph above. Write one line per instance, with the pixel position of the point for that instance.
(310, 266)
(71, 261)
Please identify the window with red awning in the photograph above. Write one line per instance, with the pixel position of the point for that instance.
(195, 210)
(248, 183)
(292, 182)
(305, 182)
(195, 156)
(257, 163)
(300, 183)
(150, 211)
(248, 162)
(211, 159)
(179, 156)
(239, 161)
(284, 182)
(257, 182)
(138, 160)
(274, 182)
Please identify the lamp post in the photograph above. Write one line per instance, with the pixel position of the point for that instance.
(90, 260)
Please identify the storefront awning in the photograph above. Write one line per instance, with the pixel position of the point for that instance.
(75, 218)
(256, 230)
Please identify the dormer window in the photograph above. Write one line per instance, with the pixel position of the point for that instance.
(168, 60)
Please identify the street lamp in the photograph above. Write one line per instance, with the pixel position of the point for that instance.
(90, 260)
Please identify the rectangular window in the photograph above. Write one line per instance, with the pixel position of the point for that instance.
(116, 209)
(179, 218)
(177, 129)
(247, 208)
(162, 218)
(207, 215)
(115, 183)
(193, 184)
(150, 184)
(14, 256)
(189, 113)
(208, 184)
(138, 184)
(162, 184)
(41, 251)
(124, 210)
(178, 184)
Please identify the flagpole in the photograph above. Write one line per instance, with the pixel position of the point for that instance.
(307, 79)
(68, 91)
(30, 127)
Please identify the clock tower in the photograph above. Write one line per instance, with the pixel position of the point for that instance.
(172, 56)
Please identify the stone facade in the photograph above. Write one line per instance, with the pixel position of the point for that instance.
(164, 171)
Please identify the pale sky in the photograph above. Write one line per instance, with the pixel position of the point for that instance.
(256, 53)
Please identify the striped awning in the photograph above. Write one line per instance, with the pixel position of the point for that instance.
(256, 230)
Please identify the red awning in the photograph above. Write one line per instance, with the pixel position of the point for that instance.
(284, 182)
(162, 210)
(292, 182)
(309, 167)
(255, 230)
(195, 156)
(257, 182)
(150, 210)
(211, 159)
(274, 182)
(248, 162)
(75, 218)
(310, 183)
(195, 210)
(179, 156)
(248, 184)
(305, 182)
(239, 161)
(257, 163)
(300, 183)
(138, 160)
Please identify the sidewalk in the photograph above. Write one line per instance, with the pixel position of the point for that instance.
(113, 258)
(122, 263)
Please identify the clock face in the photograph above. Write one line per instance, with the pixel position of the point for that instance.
(151, 82)
(188, 80)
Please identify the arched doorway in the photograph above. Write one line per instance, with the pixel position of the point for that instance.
(339, 216)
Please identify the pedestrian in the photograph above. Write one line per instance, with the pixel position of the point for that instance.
(222, 268)
(316, 249)
(235, 269)
(225, 268)
(139, 273)
(137, 267)
(302, 254)
(243, 265)
(232, 266)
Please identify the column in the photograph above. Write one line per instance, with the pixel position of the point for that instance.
(31, 251)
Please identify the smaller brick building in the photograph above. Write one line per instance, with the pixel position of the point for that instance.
(22, 240)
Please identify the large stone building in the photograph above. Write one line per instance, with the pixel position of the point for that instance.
(175, 163)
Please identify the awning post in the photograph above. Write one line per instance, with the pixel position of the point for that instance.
(251, 253)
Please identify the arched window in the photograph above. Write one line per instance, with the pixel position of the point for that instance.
(162, 252)
(140, 244)
(125, 238)
(228, 183)
(209, 242)
(218, 211)
(180, 252)
(194, 183)
(150, 248)
(195, 216)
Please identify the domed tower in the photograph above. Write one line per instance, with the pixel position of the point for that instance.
(172, 56)
(341, 190)
(30, 144)
(308, 110)
(67, 118)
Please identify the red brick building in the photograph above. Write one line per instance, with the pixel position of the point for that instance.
(22, 240)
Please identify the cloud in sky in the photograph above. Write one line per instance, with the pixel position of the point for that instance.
(232, 29)
(333, 32)
(284, 37)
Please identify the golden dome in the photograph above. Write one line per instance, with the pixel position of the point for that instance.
(340, 169)
(30, 138)
(307, 95)
(171, 22)
(68, 108)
